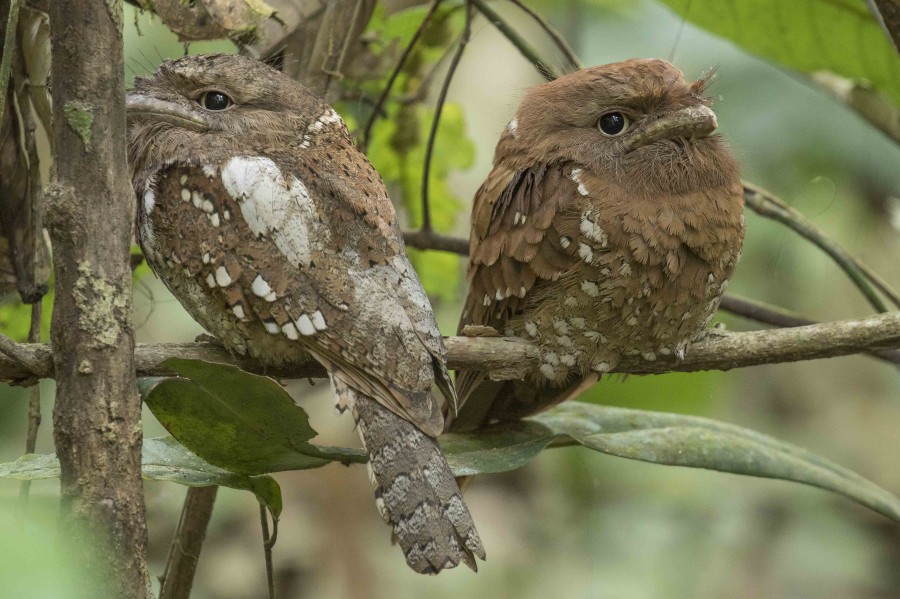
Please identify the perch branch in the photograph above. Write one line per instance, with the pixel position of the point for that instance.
(752, 310)
(778, 317)
(512, 358)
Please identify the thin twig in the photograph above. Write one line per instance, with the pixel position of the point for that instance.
(336, 72)
(525, 48)
(9, 39)
(34, 397)
(268, 543)
(429, 240)
(880, 283)
(376, 111)
(442, 98)
(559, 40)
(766, 204)
(184, 552)
(763, 313)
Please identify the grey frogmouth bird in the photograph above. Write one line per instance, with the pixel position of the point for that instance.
(277, 235)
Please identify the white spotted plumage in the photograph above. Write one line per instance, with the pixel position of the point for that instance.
(272, 207)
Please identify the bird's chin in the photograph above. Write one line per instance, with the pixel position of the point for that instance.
(679, 165)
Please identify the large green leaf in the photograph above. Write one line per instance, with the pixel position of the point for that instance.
(808, 35)
(660, 438)
(238, 421)
(166, 460)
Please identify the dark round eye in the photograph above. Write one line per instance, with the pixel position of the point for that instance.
(613, 123)
(214, 100)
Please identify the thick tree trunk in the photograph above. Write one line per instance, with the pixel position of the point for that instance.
(97, 426)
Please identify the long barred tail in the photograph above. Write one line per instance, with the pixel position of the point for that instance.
(415, 491)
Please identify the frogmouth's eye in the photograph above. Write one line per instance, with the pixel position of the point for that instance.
(213, 100)
(613, 123)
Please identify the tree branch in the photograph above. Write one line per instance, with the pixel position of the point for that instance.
(769, 206)
(97, 413)
(778, 317)
(508, 358)
(9, 40)
(342, 23)
(524, 47)
(429, 240)
(561, 43)
(184, 553)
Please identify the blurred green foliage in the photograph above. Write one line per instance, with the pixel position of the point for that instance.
(36, 558)
(399, 136)
(574, 524)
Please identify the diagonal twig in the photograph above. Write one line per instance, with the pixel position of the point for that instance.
(442, 98)
(559, 40)
(34, 398)
(268, 544)
(379, 104)
(766, 204)
(524, 47)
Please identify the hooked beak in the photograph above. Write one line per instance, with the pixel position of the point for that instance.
(139, 105)
(693, 121)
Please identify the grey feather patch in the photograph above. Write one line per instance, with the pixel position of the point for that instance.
(415, 489)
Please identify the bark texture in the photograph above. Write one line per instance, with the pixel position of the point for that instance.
(97, 426)
(508, 358)
(184, 553)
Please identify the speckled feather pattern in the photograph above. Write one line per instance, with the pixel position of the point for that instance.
(278, 237)
(591, 251)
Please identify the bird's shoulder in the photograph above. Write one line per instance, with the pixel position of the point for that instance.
(522, 224)
(251, 232)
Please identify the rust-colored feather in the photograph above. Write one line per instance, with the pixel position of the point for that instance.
(623, 241)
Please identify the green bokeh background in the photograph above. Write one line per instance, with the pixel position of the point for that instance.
(574, 524)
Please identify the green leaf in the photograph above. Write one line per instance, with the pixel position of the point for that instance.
(660, 438)
(162, 459)
(808, 35)
(235, 420)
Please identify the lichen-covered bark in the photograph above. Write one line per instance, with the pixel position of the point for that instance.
(96, 419)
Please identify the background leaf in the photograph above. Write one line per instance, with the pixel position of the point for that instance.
(238, 421)
(166, 460)
(661, 438)
(808, 35)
